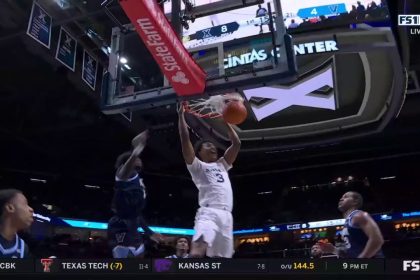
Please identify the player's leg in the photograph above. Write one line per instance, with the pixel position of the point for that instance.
(117, 237)
(198, 248)
(123, 238)
(120, 252)
(223, 245)
(205, 232)
(123, 252)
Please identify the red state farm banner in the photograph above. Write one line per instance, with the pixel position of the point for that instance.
(185, 76)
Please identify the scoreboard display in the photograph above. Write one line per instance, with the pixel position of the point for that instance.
(254, 20)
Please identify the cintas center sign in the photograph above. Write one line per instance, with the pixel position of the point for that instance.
(256, 55)
(185, 76)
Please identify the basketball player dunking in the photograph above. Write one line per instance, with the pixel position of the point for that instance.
(213, 222)
(128, 203)
(362, 236)
(15, 215)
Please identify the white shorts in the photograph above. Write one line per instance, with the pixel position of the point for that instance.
(216, 228)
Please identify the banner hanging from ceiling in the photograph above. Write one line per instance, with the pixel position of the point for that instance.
(39, 27)
(66, 50)
(89, 69)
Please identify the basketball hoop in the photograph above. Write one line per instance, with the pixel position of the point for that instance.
(211, 108)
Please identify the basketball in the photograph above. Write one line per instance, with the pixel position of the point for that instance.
(235, 112)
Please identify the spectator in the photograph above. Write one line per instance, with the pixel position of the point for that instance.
(316, 252)
(383, 4)
(353, 12)
(261, 12)
(293, 24)
(361, 10)
(182, 248)
(373, 10)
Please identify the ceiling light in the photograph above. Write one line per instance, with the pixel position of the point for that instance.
(48, 206)
(262, 193)
(388, 178)
(92, 187)
(127, 66)
(123, 60)
(38, 180)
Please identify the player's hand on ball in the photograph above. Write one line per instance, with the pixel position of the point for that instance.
(181, 108)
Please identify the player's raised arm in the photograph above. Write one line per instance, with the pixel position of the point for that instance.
(233, 150)
(371, 229)
(156, 237)
(126, 170)
(187, 148)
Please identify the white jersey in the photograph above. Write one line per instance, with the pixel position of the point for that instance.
(212, 181)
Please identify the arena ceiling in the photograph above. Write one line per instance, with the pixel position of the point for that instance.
(51, 124)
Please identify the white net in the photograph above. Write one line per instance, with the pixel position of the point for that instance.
(212, 107)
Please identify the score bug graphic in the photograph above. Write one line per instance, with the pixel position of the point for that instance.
(46, 263)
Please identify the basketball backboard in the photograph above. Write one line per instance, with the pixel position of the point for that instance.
(137, 82)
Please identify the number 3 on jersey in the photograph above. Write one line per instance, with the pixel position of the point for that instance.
(219, 177)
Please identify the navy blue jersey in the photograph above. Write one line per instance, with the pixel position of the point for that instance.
(123, 232)
(16, 248)
(355, 239)
(129, 197)
(128, 203)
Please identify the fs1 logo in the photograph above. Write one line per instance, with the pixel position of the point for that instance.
(409, 20)
(411, 265)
